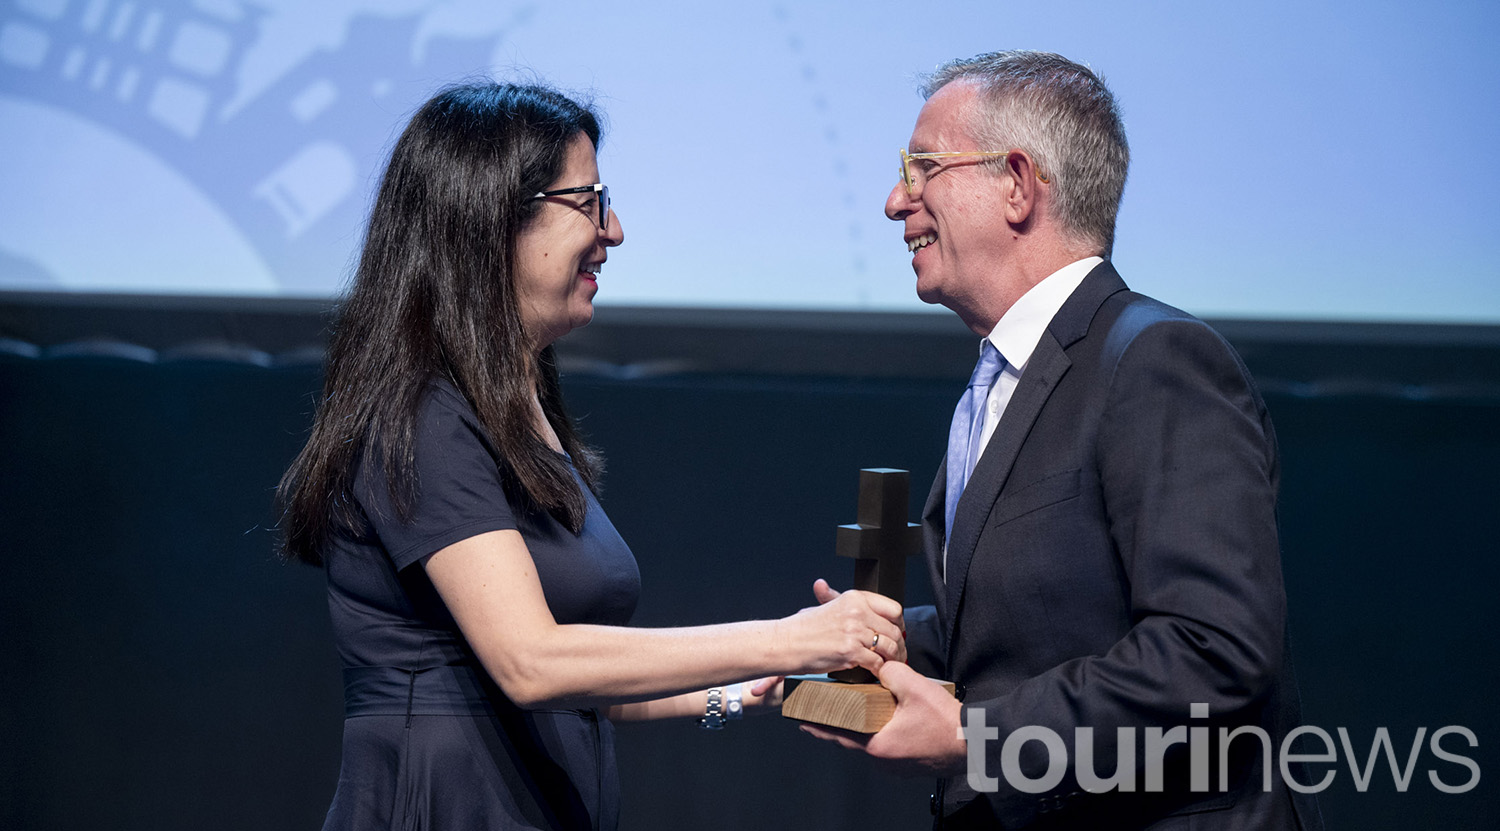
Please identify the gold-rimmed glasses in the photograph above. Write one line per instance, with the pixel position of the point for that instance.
(598, 187)
(914, 179)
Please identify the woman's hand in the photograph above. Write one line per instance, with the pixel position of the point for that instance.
(765, 694)
(825, 594)
(852, 628)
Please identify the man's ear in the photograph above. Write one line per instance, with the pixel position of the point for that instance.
(1023, 188)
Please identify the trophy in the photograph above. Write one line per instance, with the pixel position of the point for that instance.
(879, 542)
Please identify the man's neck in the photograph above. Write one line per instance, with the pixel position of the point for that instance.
(1031, 265)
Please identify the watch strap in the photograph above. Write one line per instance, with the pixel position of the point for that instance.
(713, 715)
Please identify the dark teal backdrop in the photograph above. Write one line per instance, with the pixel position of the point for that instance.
(164, 671)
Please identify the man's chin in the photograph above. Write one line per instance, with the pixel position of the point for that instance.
(929, 294)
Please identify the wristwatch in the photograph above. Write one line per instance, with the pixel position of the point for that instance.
(713, 717)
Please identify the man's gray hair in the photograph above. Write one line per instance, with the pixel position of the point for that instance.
(1063, 115)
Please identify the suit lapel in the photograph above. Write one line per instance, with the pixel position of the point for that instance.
(1047, 366)
(932, 538)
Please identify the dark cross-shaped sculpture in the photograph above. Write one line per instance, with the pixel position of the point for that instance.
(879, 544)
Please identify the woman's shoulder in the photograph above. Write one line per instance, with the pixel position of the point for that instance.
(441, 397)
(445, 416)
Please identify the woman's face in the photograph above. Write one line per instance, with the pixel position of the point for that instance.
(559, 254)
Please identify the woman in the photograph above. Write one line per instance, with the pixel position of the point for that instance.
(479, 594)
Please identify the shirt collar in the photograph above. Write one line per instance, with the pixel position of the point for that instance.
(1022, 325)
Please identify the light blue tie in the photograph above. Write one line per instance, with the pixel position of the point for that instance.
(968, 428)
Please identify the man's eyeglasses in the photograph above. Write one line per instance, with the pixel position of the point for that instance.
(602, 202)
(915, 178)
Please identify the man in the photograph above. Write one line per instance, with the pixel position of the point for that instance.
(1102, 538)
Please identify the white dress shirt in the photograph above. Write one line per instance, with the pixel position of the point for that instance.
(1021, 329)
(1016, 337)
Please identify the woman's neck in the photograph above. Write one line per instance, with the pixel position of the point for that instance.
(544, 426)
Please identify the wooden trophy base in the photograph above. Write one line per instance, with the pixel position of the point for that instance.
(861, 708)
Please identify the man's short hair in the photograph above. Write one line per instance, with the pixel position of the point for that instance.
(1063, 115)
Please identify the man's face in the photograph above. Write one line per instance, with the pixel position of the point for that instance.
(954, 222)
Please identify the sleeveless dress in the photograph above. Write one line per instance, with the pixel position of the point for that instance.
(430, 742)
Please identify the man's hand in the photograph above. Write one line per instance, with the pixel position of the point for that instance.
(923, 737)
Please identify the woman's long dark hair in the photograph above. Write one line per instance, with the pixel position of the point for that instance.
(435, 296)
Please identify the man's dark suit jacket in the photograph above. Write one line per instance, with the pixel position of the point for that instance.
(1114, 560)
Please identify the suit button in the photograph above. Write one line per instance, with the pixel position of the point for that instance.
(932, 804)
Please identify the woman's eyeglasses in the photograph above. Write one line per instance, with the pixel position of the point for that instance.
(597, 187)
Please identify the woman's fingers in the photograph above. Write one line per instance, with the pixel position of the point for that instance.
(886, 621)
(764, 685)
(882, 605)
(884, 639)
(865, 629)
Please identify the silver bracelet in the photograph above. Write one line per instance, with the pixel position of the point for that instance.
(713, 715)
(735, 706)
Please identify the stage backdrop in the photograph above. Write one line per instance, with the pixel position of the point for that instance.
(1329, 160)
(166, 672)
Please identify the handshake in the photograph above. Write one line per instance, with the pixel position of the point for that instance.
(879, 704)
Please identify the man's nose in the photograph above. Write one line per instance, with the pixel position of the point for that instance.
(899, 204)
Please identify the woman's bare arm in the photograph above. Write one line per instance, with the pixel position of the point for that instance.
(490, 586)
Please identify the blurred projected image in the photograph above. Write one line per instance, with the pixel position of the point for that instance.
(210, 146)
(228, 146)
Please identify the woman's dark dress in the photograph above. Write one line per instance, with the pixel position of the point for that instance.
(430, 742)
